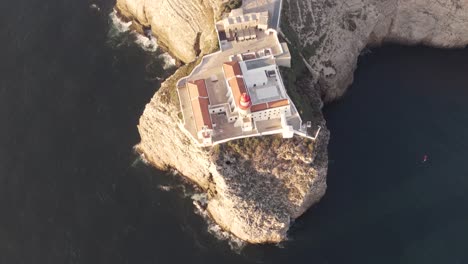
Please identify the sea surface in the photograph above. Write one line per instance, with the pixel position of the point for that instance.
(73, 83)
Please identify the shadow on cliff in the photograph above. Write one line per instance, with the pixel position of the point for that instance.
(267, 173)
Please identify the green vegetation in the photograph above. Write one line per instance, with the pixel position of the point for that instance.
(232, 4)
(263, 147)
(348, 21)
(254, 146)
(168, 90)
(311, 50)
(293, 76)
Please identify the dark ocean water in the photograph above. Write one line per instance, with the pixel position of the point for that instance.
(73, 191)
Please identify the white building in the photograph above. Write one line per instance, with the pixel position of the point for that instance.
(200, 104)
(237, 20)
(256, 93)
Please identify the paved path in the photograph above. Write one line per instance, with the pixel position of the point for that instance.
(187, 111)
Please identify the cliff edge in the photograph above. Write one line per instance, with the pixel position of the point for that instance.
(330, 34)
(257, 186)
(184, 27)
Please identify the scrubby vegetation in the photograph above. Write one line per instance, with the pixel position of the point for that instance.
(294, 78)
(168, 90)
(232, 4)
(298, 73)
(253, 148)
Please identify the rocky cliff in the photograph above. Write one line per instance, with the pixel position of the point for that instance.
(185, 27)
(331, 34)
(257, 186)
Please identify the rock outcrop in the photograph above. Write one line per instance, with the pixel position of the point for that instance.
(331, 34)
(184, 27)
(255, 192)
(255, 186)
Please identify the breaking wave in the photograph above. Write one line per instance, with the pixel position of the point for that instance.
(118, 24)
(165, 188)
(145, 43)
(200, 202)
(120, 33)
(169, 62)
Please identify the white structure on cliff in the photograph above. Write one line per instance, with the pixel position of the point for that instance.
(255, 103)
(200, 104)
(237, 20)
(238, 92)
(256, 92)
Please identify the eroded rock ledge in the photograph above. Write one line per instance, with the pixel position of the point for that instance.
(331, 34)
(185, 27)
(255, 186)
(255, 194)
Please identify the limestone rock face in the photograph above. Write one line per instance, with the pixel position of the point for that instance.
(255, 186)
(185, 27)
(259, 189)
(255, 192)
(331, 34)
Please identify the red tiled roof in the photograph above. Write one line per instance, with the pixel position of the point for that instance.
(268, 105)
(201, 113)
(197, 89)
(258, 107)
(237, 88)
(200, 102)
(278, 103)
(231, 69)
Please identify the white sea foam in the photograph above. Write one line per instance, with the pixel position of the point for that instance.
(120, 34)
(146, 43)
(95, 7)
(200, 201)
(169, 62)
(165, 188)
(136, 161)
(120, 25)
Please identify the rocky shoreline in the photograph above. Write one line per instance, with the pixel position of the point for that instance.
(257, 186)
(254, 196)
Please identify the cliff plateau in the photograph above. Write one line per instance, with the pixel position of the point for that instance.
(257, 186)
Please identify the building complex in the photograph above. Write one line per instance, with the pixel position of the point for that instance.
(238, 92)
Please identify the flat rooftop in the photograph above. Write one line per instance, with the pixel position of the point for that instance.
(261, 63)
(263, 80)
(267, 93)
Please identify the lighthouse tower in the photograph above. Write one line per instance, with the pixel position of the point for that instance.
(244, 112)
(244, 104)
